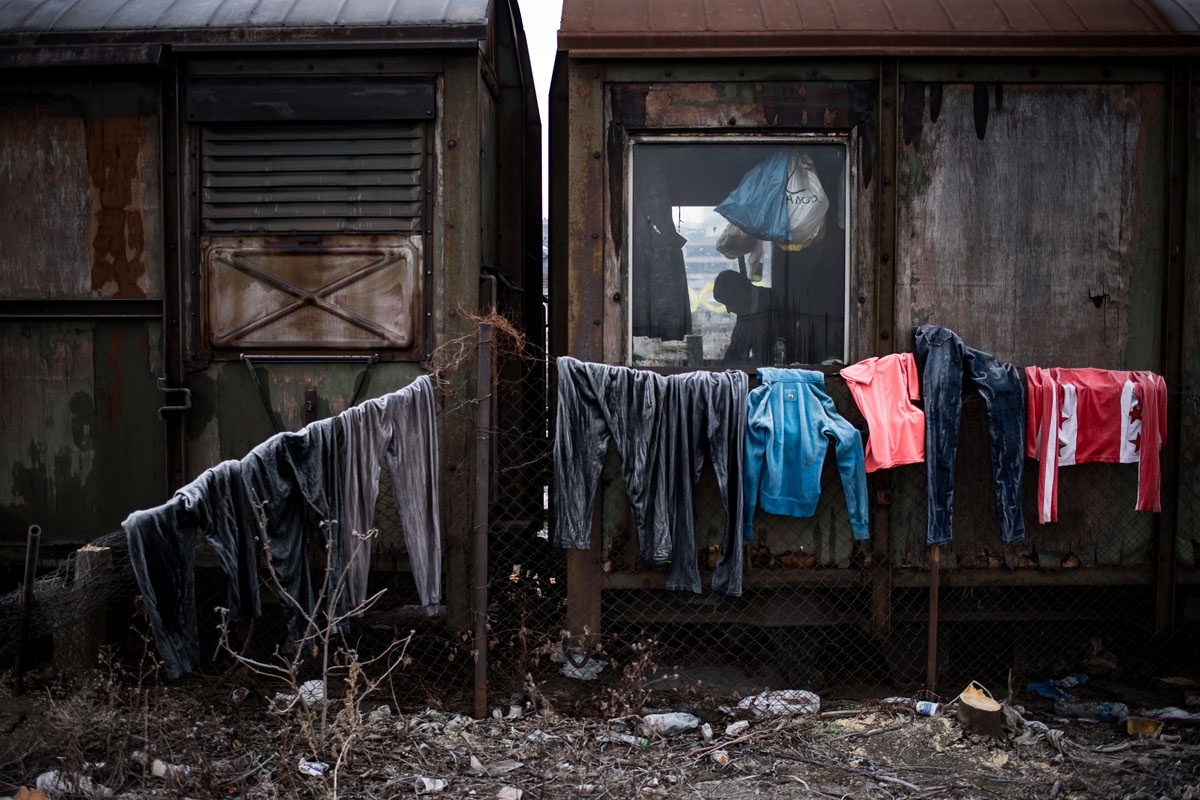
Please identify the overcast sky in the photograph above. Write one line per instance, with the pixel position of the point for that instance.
(541, 18)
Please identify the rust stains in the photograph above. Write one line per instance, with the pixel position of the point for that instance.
(118, 244)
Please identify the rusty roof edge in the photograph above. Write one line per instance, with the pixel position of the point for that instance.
(831, 43)
(319, 37)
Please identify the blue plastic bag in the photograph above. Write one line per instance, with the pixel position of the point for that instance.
(779, 200)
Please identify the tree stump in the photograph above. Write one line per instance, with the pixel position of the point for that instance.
(77, 644)
(981, 714)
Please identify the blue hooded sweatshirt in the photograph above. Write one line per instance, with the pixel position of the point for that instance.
(790, 422)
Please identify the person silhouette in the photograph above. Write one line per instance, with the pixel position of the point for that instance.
(759, 319)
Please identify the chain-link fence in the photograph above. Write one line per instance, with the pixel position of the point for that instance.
(823, 611)
(819, 609)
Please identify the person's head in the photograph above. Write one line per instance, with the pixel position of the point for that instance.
(733, 290)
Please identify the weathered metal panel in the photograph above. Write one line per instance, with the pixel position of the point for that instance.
(630, 28)
(1185, 399)
(330, 177)
(81, 444)
(109, 15)
(339, 99)
(263, 295)
(80, 192)
(229, 416)
(1033, 225)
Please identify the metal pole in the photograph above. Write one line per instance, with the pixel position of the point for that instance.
(935, 557)
(483, 444)
(31, 556)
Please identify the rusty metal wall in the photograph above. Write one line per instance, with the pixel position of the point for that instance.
(81, 443)
(79, 189)
(1031, 219)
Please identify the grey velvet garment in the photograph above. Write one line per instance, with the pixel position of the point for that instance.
(400, 429)
(284, 476)
(705, 416)
(663, 428)
(162, 544)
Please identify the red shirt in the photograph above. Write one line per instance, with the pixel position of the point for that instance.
(884, 389)
(1083, 416)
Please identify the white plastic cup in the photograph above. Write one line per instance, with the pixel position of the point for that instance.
(928, 708)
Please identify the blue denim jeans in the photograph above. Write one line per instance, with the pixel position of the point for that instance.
(947, 366)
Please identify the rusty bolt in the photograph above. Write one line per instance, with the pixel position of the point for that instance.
(616, 297)
(733, 120)
(595, 322)
(596, 154)
(451, 143)
(885, 258)
(595, 236)
(885, 336)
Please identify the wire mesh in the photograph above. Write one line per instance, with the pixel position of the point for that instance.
(819, 611)
(823, 611)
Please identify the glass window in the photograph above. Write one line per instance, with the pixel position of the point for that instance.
(738, 251)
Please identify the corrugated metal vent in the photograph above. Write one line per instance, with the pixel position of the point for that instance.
(312, 178)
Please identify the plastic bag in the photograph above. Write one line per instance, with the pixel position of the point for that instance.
(780, 199)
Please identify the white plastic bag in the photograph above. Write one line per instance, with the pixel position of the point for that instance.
(807, 202)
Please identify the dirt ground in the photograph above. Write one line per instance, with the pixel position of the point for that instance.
(217, 737)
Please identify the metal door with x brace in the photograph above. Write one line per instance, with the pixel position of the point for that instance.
(311, 251)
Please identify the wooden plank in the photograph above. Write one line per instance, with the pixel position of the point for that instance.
(985, 231)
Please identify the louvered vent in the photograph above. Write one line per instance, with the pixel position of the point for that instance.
(322, 178)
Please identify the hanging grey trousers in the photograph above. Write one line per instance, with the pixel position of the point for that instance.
(282, 477)
(663, 427)
(162, 553)
(400, 429)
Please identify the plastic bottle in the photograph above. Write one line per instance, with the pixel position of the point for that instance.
(667, 724)
(1105, 712)
(627, 738)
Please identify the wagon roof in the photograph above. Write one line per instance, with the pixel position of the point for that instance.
(651, 28)
(448, 21)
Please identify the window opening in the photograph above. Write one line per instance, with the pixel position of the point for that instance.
(738, 252)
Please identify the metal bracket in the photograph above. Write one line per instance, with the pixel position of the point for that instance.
(183, 405)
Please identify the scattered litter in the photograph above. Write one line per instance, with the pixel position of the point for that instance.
(459, 722)
(380, 715)
(736, 728)
(706, 732)
(239, 694)
(161, 769)
(627, 738)
(782, 703)
(430, 785)
(575, 666)
(515, 711)
(928, 708)
(1172, 714)
(1143, 727)
(493, 768)
(719, 757)
(509, 793)
(1102, 712)
(540, 736)
(310, 692)
(29, 794)
(1054, 690)
(313, 769)
(670, 723)
(55, 783)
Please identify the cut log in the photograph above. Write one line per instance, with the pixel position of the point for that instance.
(77, 643)
(982, 715)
